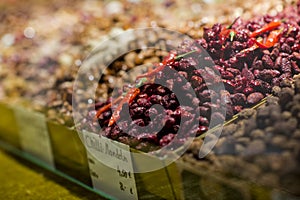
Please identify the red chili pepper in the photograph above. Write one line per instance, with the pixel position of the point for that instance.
(167, 61)
(106, 107)
(260, 45)
(159, 67)
(226, 31)
(270, 26)
(223, 35)
(130, 96)
(252, 48)
(271, 40)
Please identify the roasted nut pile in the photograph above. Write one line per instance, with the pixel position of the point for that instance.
(263, 146)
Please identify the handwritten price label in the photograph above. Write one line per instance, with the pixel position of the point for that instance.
(110, 166)
(34, 136)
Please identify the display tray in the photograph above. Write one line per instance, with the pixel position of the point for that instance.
(68, 157)
(61, 149)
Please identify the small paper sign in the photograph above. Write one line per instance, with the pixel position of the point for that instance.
(34, 136)
(110, 166)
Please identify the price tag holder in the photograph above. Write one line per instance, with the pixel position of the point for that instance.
(110, 166)
(33, 134)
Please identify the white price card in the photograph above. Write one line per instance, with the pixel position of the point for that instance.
(110, 166)
(34, 136)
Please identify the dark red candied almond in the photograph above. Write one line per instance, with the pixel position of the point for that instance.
(196, 80)
(285, 48)
(148, 137)
(258, 64)
(237, 109)
(201, 88)
(204, 111)
(254, 98)
(234, 71)
(241, 83)
(296, 47)
(260, 85)
(227, 75)
(247, 74)
(201, 130)
(219, 68)
(248, 90)
(238, 98)
(267, 61)
(229, 85)
(203, 121)
(274, 54)
(286, 66)
(268, 74)
(225, 97)
(295, 67)
(165, 140)
(296, 56)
